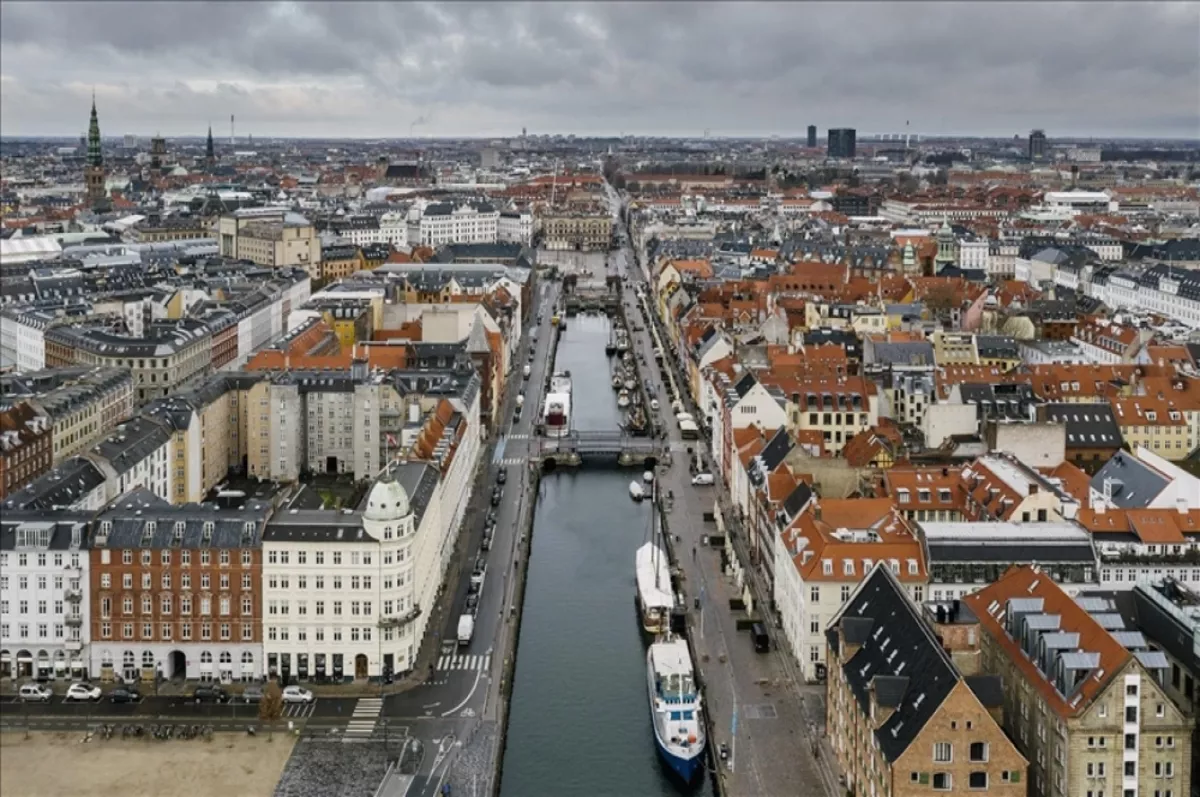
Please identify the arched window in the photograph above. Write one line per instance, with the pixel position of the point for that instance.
(148, 659)
(206, 658)
(226, 657)
(247, 657)
(128, 659)
(106, 659)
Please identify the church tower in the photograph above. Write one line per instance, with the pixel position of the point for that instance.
(210, 155)
(93, 172)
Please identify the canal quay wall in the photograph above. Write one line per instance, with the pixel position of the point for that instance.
(524, 546)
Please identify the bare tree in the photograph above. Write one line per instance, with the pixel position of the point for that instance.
(270, 708)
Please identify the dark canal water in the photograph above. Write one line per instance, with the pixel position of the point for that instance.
(579, 724)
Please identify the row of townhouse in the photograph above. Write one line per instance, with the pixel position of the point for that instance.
(165, 353)
(146, 589)
(270, 425)
(947, 532)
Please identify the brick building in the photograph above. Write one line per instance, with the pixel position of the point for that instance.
(176, 590)
(26, 447)
(902, 719)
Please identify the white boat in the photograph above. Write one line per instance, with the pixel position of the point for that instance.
(654, 596)
(636, 492)
(675, 708)
(623, 399)
(556, 416)
(616, 381)
(630, 384)
(648, 476)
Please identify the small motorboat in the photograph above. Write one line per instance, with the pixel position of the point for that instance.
(636, 492)
(623, 399)
(648, 476)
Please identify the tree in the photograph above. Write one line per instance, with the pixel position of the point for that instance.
(270, 708)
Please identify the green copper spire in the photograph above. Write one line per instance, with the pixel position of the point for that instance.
(208, 151)
(95, 158)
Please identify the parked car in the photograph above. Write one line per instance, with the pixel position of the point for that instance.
(125, 694)
(35, 693)
(472, 603)
(502, 476)
(490, 519)
(209, 694)
(497, 494)
(486, 543)
(82, 691)
(253, 694)
(702, 479)
(297, 694)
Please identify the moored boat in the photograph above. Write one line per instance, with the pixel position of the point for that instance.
(675, 708)
(623, 399)
(556, 417)
(654, 595)
(636, 492)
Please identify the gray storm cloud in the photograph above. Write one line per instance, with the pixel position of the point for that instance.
(669, 69)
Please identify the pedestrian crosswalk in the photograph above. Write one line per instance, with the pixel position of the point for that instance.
(298, 709)
(510, 461)
(366, 715)
(464, 662)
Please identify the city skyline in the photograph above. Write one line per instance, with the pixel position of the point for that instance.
(472, 70)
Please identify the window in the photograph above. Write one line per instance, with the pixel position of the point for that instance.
(814, 594)
(977, 780)
(943, 752)
(942, 781)
(978, 752)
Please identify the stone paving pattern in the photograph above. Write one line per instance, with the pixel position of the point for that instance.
(332, 768)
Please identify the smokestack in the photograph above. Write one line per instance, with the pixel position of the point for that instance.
(232, 137)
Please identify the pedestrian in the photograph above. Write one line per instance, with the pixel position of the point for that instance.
(693, 553)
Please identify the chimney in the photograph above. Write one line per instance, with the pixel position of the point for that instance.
(1181, 505)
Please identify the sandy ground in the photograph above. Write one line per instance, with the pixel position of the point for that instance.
(56, 764)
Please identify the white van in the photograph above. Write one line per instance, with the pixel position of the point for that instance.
(702, 479)
(35, 693)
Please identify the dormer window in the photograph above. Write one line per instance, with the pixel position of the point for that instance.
(895, 565)
(848, 567)
(913, 567)
(827, 567)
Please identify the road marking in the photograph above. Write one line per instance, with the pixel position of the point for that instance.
(365, 716)
(466, 699)
(464, 662)
(500, 444)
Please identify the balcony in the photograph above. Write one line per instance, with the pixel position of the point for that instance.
(73, 645)
(74, 595)
(400, 620)
(74, 620)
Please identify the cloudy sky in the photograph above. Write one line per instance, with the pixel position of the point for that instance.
(491, 68)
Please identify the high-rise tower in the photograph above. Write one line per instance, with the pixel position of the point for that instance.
(93, 172)
(158, 154)
(210, 154)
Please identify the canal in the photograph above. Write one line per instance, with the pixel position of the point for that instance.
(579, 723)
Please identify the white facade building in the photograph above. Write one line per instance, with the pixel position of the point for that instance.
(393, 229)
(347, 596)
(515, 227)
(43, 595)
(438, 223)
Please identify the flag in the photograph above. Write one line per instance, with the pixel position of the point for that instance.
(391, 439)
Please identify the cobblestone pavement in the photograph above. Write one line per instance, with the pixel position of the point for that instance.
(333, 768)
(473, 766)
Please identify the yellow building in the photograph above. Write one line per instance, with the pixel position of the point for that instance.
(954, 348)
(998, 351)
(1087, 711)
(1154, 423)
